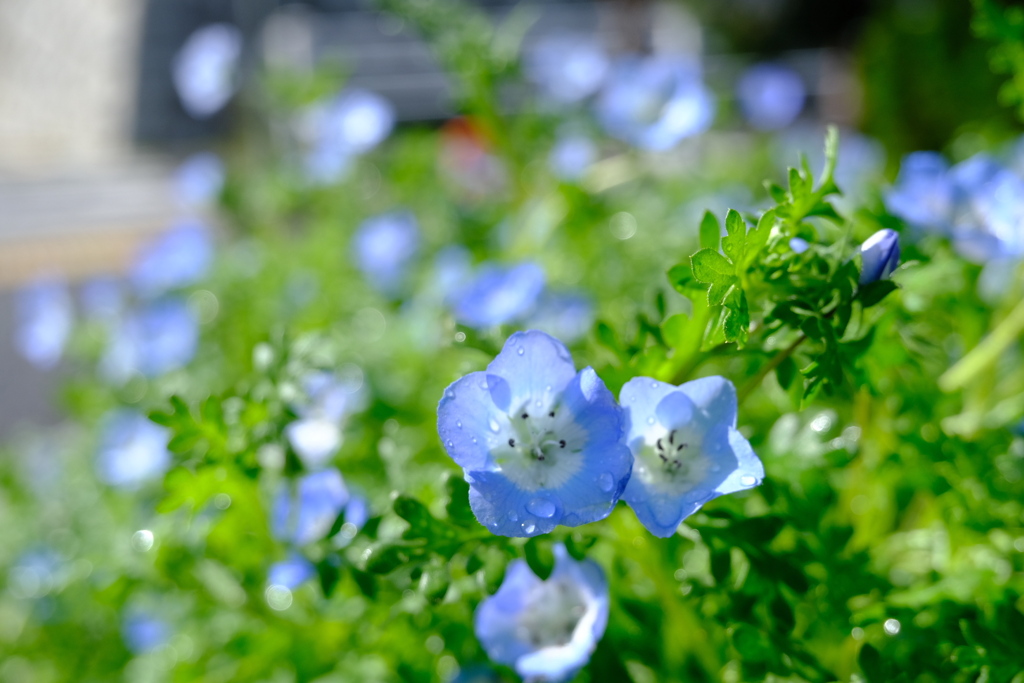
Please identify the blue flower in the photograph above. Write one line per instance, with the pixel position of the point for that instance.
(566, 68)
(199, 179)
(292, 572)
(923, 195)
(453, 268)
(499, 294)
(799, 245)
(157, 339)
(176, 258)
(771, 96)
(546, 630)
(342, 128)
(308, 514)
(540, 443)
(133, 450)
(384, 247)
(571, 156)
(989, 221)
(880, 254)
(565, 315)
(316, 435)
(102, 299)
(655, 102)
(143, 632)
(44, 317)
(204, 68)
(686, 447)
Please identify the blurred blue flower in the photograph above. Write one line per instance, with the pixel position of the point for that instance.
(103, 299)
(143, 632)
(317, 434)
(571, 156)
(308, 514)
(36, 572)
(133, 450)
(178, 257)
(499, 294)
(540, 443)
(453, 268)
(566, 68)
(341, 128)
(44, 317)
(799, 245)
(564, 315)
(204, 69)
(546, 630)
(655, 102)
(880, 255)
(384, 247)
(771, 95)
(686, 447)
(292, 572)
(160, 337)
(923, 195)
(989, 221)
(199, 179)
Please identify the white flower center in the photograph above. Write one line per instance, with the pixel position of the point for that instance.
(672, 459)
(552, 613)
(538, 445)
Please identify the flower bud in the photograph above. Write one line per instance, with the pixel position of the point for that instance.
(880, 254)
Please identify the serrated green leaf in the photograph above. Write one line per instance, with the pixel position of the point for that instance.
(776, 192)
(712, 268)
(718, 293)
(735, 244)
(710, 231)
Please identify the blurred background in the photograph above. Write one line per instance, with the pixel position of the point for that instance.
(94, 123)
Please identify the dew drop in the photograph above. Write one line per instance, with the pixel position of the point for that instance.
(449, 394)
(650, 420)
(494, 426)
(451, 444)
(537, 403)
(748, 480)
(474, 439)
(483, 384)
(542, 507)
(459, 424)
(513, 516)
(606, 481)
(547, 388)
(529, 528)
(654, 385)
(521, 351)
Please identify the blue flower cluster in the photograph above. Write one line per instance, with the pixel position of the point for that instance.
(542, 444)
(978, 203)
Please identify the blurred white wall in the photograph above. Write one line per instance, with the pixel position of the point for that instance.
(67, 83)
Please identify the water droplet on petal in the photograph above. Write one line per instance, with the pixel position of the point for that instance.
(529, 528)
(459, 424)
(494, 426)
(474, 439)
(537, 403)
(542, 507)
(513, 516)
(748, 480)
(451, 444)
(449, 394)
(650, 420)
(521, 351)
(654, 385)
(483, 384)
(547, 388)
(606, 481)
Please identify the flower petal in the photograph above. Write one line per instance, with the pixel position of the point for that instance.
(464, 418)
(715, 396)
(533, 363)
(496, 620)
(748, 470)
(508, 510)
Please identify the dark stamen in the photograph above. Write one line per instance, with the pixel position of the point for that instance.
(662, 456)
(682, 446)
(551, 414)
(512, 443)
(660, 447)
(672, 436)
(562, 443)
(525, 415)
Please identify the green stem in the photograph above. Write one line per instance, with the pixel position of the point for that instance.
(986, 353)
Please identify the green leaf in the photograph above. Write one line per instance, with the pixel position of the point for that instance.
(783, 613)
(758, 237)
(539, 557)
(735, 245)
(870, 661)
(786, 372)
(712, 268)
(415, 513)
(873, 293)
(710, 231)
(753, 645)
(384, 558)
(458, 508)
(718, 293)
(434, 581)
